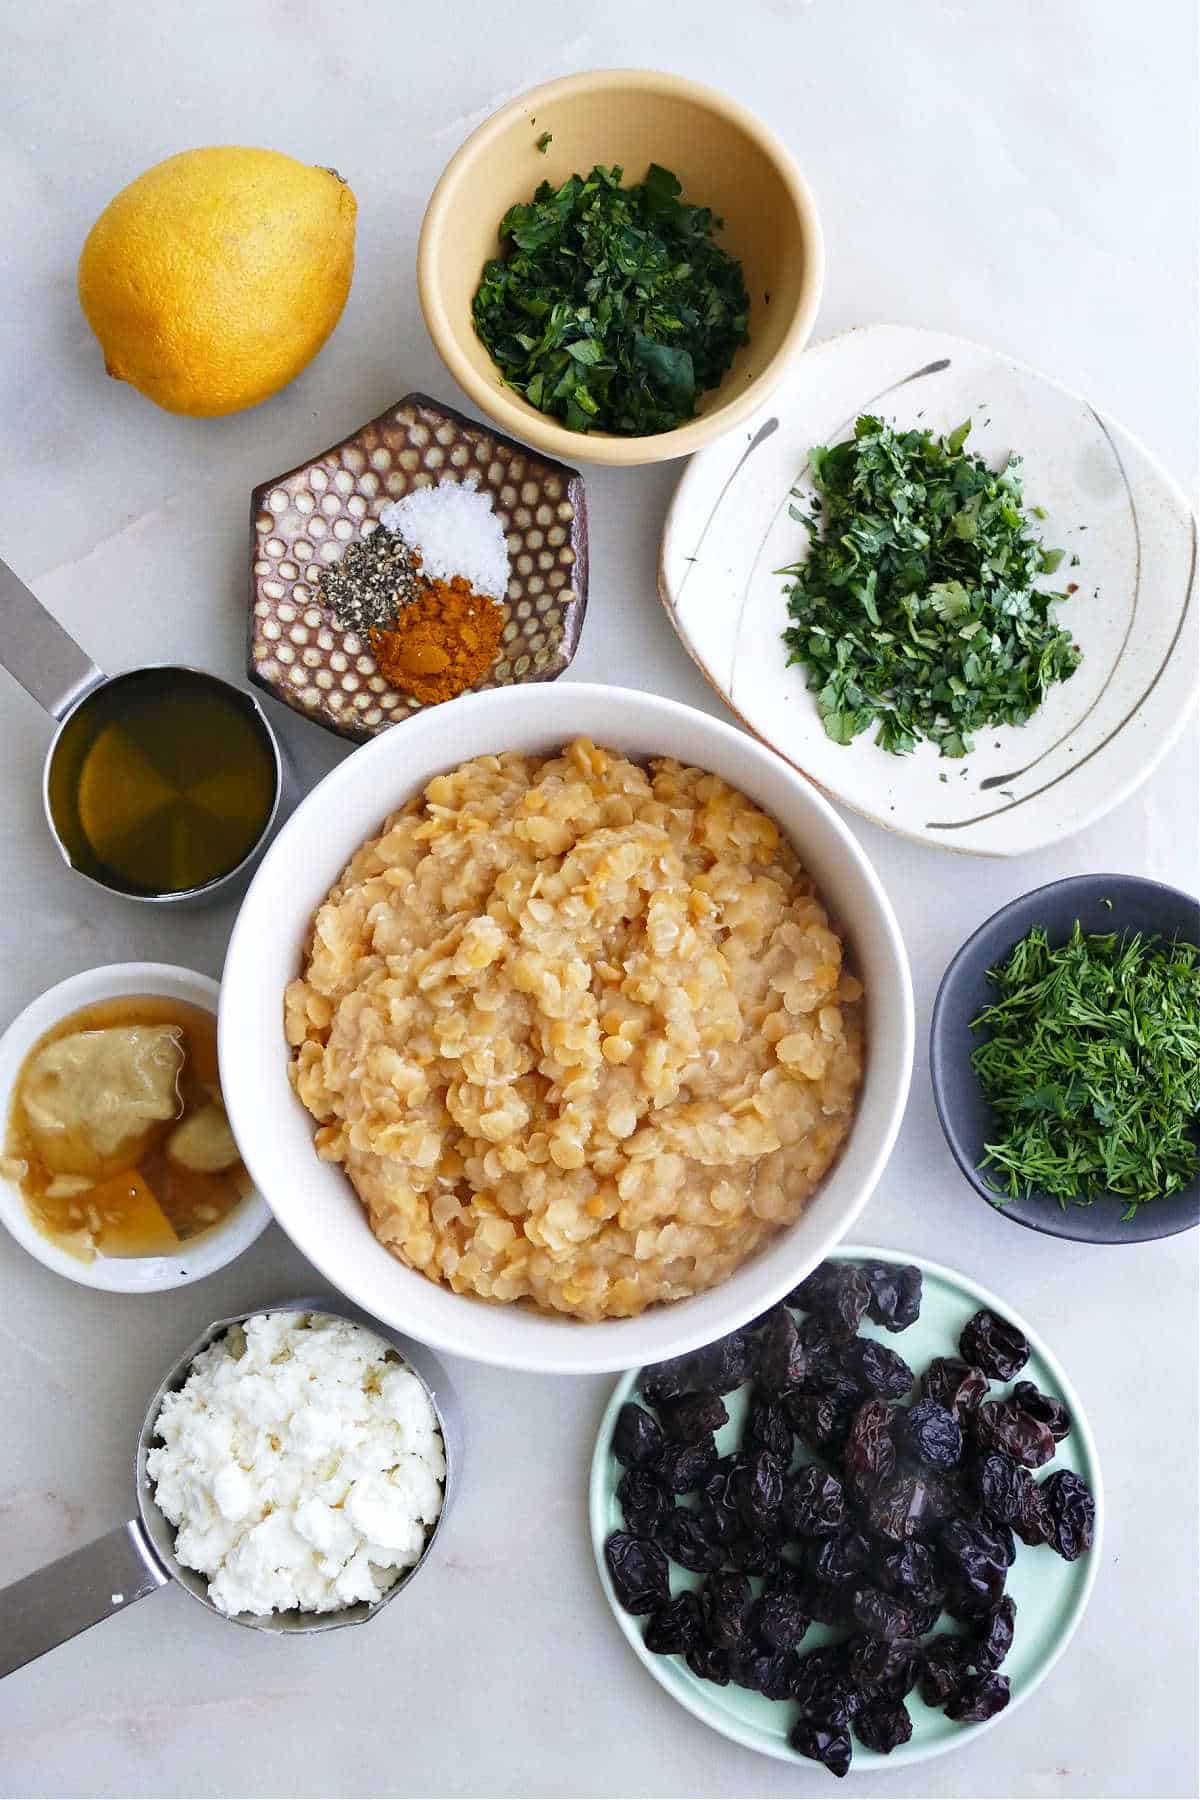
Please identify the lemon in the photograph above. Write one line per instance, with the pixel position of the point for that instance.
(216, 276)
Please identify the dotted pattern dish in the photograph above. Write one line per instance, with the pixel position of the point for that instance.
(302, 521)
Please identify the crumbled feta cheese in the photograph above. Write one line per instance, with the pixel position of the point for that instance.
(301, 1465)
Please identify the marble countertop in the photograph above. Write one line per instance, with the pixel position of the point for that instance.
(1020, 175)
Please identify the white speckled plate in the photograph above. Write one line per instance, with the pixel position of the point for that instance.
(1097, 736)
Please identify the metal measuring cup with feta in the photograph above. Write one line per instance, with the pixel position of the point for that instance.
(293, 1472)
(301, 1464)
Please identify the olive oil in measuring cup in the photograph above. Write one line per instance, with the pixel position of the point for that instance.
(162, 782)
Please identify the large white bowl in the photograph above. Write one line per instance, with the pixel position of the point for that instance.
(195, 1257)
(315, 1203)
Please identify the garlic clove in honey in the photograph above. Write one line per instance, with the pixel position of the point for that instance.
(203, 1142)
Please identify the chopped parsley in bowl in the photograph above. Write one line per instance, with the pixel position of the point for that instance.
(613, 308)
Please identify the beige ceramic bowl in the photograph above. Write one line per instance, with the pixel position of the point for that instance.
(724, 157)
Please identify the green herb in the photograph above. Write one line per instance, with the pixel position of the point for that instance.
(1092, 1067)
(544, 142)
(613, 308)
(916, 609)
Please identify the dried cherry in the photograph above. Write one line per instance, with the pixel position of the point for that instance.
(925, 1617)
(710, 1664)
(837, 1294)
(756, 1486)
(994, 1639)
(814, 1502)
(909, 1573)
(976, 1565)
(828, 1744)
(717, 1369)
(870, 1453)
(828, 1374)
(637, 1440)
(880, 1615)
(1009, 1495)
(755, 1552)
(878, 1369)
(994, 1345)
(824, 1687)
(638, 1570)
(946, 1496)
(768, 1672)
(1072, 1513)
(692, 1418)
(767, 1427)
(884, 1668)
(643, 1500)
(782, 1361)
(840, 1561)
(819, 1422)
(725, 1602)
(683, 1536)
(955, 1385)
(895, 1301)
(978, 1697)
(682, 1468)
(943, 1665)
(898, 1508)
(717, 1503)
(1051, 1413)
(1003, 1425)
(883, 1726)
(778, 1619)
(674, 1627)
(932, 1435)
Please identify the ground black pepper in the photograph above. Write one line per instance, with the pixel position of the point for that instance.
(372, 582)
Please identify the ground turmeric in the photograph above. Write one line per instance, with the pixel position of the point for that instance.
(441, 643)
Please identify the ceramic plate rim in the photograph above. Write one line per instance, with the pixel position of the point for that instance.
(909, 1753)
(1162, 742)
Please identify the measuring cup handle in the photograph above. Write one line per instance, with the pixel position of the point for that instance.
(56, 1603)
(45, 659)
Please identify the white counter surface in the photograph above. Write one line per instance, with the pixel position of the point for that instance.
(1021, 174)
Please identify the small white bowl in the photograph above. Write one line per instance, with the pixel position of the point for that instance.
(313, 1200)
(119, 1274)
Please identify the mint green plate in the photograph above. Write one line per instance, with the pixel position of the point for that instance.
(1050, 1594)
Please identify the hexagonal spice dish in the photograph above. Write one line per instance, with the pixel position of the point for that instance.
(301, 522)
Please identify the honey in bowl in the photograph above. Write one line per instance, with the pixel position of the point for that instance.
(162, 782)
(117, 1136)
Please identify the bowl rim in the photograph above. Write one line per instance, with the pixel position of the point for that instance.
(211, 1251)
(577, 1347)
(905, 1753)
(1058, 1222)
(515, 414)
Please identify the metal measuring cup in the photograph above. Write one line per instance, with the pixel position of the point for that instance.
(62, 678)
(105, 1577)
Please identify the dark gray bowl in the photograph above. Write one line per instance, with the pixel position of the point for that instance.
(1137, 905)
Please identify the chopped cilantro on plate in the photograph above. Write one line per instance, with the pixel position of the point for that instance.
(916, 610)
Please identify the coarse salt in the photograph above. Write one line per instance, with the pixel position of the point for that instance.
(456, 532)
